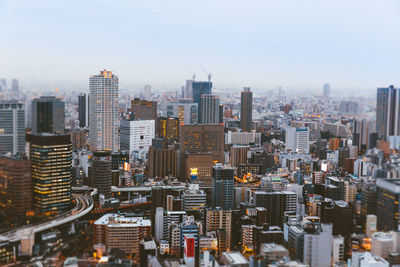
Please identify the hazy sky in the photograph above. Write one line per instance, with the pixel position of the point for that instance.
(352, 44)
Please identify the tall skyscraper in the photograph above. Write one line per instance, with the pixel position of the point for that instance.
(326, 91)
(387, 112)
(12, 127)
(103, 111)
(83, 110)
(15, 85)
(362, 130)
(143, 109)
(51, 159)
(189, 89)
(209, 109)
(246, 109)
(222, 186)
(48, 115)
(199, 89)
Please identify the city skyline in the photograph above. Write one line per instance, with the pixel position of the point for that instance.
(261, 45)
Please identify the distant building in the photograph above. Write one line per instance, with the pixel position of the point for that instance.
(209, 109)
(199, 89)
(12, 127)
(326, 91)
(246, 109)
(242, 138)
(48, 115)
(387, 114)
(83, 110)
(186, 111)
(15, 85)
(147, 92)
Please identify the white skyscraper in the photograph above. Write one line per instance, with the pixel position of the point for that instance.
(103, 111)
(147, 92)
(326, 91)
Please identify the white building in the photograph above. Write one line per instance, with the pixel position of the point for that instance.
(103, 111)
(194, 198)
(370, 225)
(242, 138)
(365, 259)
(136, 136)
(297, 139)
(337, 249)
(318, 247)
(382, 243)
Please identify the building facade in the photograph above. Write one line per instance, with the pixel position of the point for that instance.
(48, 115)
(12, 127)
(246, 109)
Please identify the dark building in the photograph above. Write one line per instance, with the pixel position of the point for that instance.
(101, 172)
(368, 198)
(202, 138)
(15, 185)
(387, 109)
(199, 89)
(48, 115)
(51, 161)
(387, 204)
(276, 203)
(221, 113)
(163, 162)
(246, 109)
(143, 109)
(83, 110)
(119, 160)
(222, 186)
(12, 127)
(168, 128)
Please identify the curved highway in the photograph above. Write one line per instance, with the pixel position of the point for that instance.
(84, 204)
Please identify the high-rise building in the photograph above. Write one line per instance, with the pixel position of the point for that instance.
(83, 110)
(15, 85)
(168, 128)
(238, 155)
(209, 109)
(143, 109)
(276, 203)
(202, 138)
(51, 161)
(216, 220)
(163, 162)
(297, 139)
(326, 91)
(15, 185)
(186, 111)
(12, 127)
(387, 207)
(189, 89)
(199, 89)
(387, 112)
(103, 111)
(222, 186)
(48, 115)
(101, 172)
(246, 109)
(3, 84)
(136, 136)
(147, 91)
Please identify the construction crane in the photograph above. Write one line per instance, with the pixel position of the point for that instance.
(193, 73)
(208, 73)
